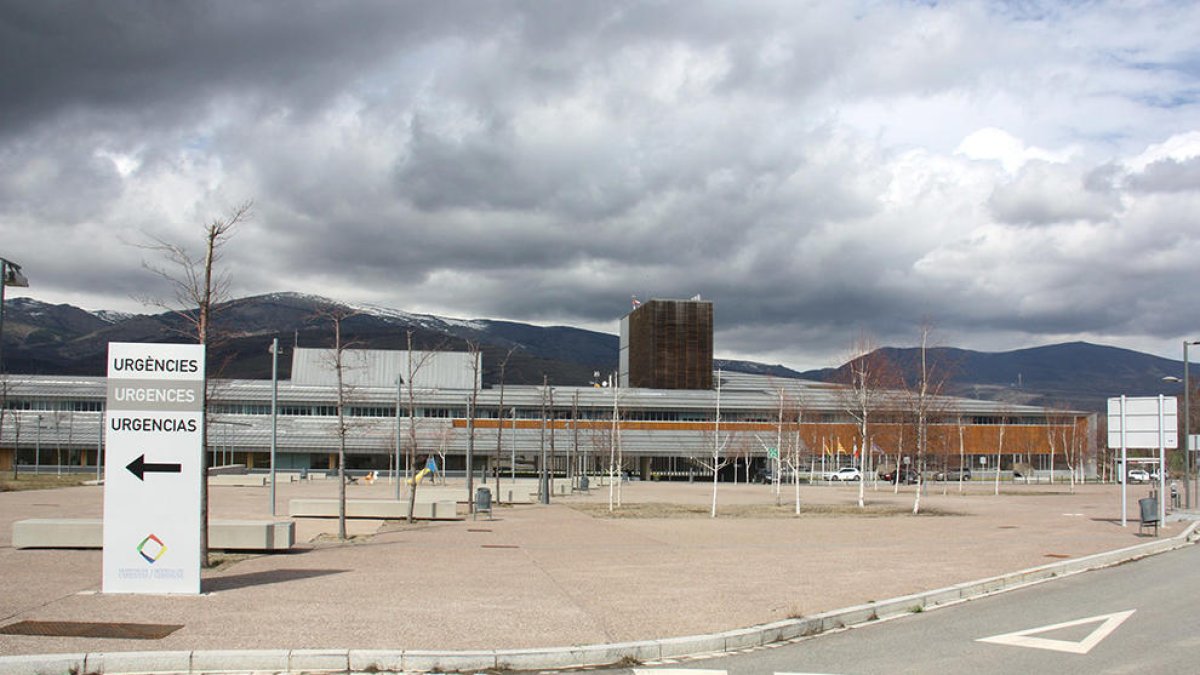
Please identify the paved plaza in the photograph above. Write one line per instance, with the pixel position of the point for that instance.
(564, 574)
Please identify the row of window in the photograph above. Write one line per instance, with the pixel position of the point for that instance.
(385, 411)
(54, 405)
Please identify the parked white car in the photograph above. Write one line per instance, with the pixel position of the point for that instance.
(845, 473)
(1139, 476)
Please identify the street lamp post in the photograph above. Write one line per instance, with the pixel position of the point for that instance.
(543, 481)
(1187, 427)
(37, 448)
(1188, 483)
(10, 275)
(10, 272)
(400, 387)
(274, 414)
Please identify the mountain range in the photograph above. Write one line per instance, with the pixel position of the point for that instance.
(62, 339)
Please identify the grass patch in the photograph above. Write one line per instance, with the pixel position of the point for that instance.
(41, 481)
(327, 538)
(672, 511)
(1034, 492)
(221, 561)
(401, 525)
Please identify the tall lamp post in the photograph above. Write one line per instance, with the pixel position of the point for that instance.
(1188, 483)
(10, 272)
(274, 414)
(1187, 426)
(10, 275)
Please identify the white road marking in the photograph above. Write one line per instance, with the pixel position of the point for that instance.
(677, 671)
(690, 671)
(1023, 639)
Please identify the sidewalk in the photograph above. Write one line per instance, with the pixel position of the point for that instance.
(565, 574)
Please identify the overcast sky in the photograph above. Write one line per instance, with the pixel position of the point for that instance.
(1018, 173)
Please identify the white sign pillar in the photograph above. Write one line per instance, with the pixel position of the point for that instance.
(1162, 459)
(154, 432)
(1124, 475)
(1143, 422)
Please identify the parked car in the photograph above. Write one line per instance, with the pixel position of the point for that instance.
(845, 473)
(1139, 476)
(955, 474)
(766, 474)
(906, 475)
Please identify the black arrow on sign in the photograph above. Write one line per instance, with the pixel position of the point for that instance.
(139, 467)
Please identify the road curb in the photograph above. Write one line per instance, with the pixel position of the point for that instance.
(411, 660)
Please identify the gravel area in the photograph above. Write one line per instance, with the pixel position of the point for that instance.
(565, 574)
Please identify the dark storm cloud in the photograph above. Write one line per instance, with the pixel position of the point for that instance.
(144, 59)
(543, 161)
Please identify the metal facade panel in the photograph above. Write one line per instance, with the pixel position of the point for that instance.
(384, 368)
(444, 370)
(316, 432)
(623, 354)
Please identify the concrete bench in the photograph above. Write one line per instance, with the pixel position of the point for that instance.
(58, 533)
(227, 469)
(234, 480)
(251, 535)
(527, 496)
(373, 508)
(224, 535)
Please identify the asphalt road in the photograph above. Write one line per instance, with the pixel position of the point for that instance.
(1140, 617)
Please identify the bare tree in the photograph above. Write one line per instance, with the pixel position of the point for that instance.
(16, 422)
(718, 447)
(926, 402)
(962, 449)
(614, 444)
(1060, 432)
(338, 358)
(476, 362)
(782, 394)
(1000, 446)
(500, 423)
(444, 438)
(197, 291)
(797, 446)
(6, 389)
(867, 373)
(414, 364)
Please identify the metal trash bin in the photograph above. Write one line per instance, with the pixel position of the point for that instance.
(583, 483)
(1149, 512)
(483, 500)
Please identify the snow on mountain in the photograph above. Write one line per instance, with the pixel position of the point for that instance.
(111, 316)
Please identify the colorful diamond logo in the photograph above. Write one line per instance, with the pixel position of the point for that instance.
(152, 548)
